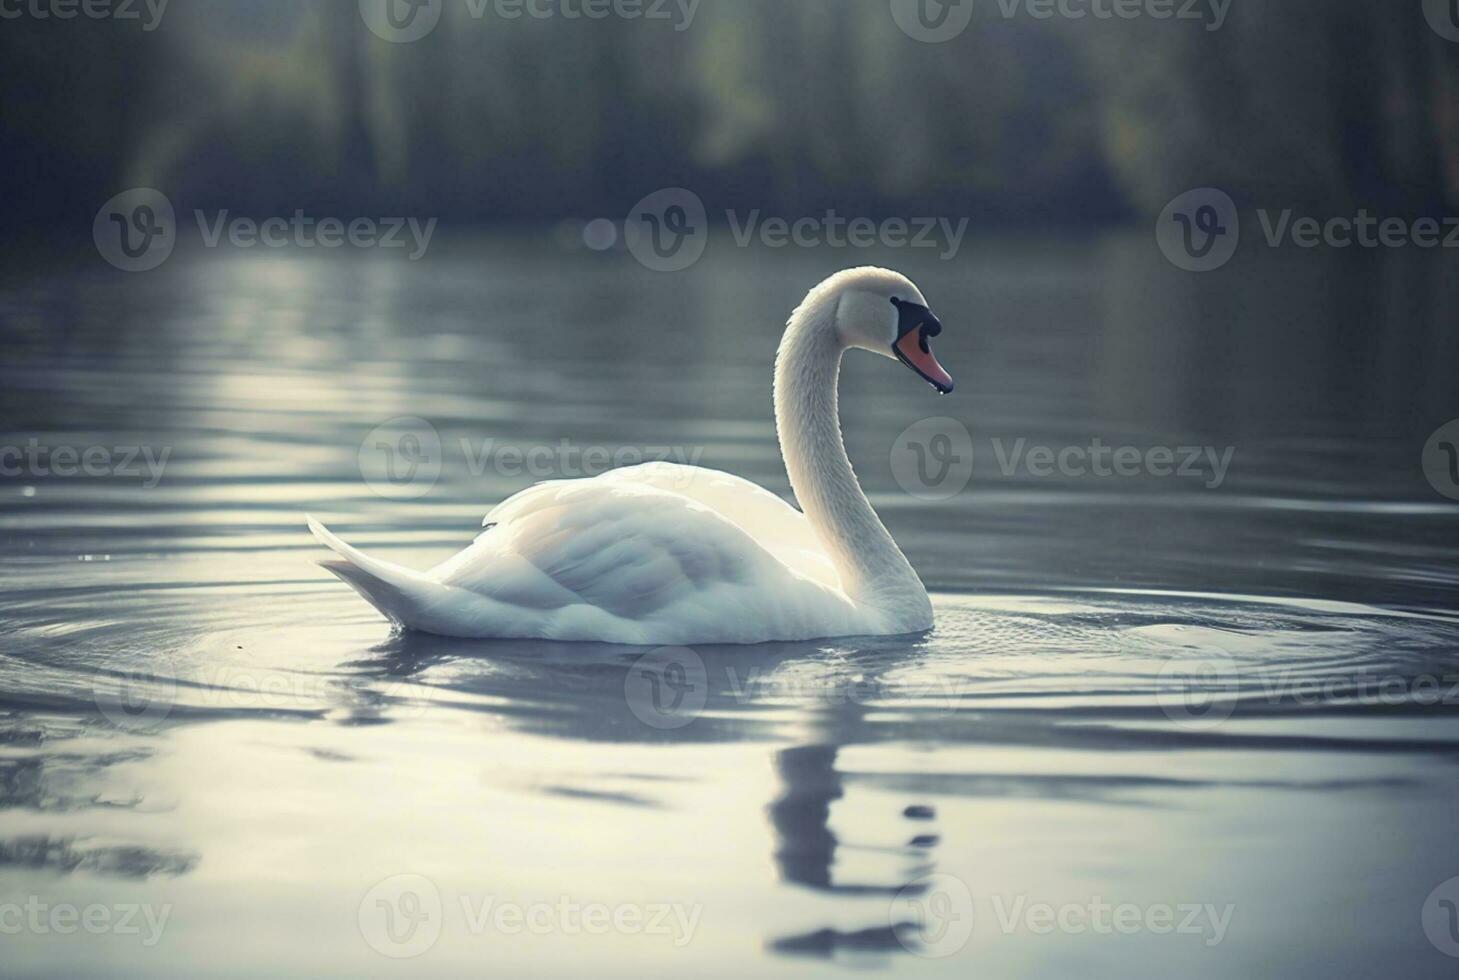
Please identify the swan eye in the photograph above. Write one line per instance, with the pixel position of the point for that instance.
(914, 316)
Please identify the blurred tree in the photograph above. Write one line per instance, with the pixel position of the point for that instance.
(787, 105)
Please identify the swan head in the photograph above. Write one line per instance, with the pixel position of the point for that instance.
(884, 312)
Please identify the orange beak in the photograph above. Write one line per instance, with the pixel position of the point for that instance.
(914, 351)
(912, 348)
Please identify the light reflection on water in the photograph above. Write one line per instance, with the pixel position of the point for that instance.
(1132, 692)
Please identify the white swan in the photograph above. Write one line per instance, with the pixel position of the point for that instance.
(668, 554)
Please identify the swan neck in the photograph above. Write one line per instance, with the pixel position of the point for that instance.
(873, 569)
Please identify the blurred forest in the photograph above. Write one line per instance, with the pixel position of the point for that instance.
(263, 106)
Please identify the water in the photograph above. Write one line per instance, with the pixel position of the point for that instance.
(1166, 725)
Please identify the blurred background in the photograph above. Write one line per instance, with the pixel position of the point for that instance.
(262, 106)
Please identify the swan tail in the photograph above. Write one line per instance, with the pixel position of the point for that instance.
(403, 596)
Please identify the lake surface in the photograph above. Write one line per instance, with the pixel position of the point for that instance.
(1200, 719)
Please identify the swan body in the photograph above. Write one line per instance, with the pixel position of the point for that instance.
(669, 554)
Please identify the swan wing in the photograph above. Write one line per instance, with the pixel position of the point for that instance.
(624, 557)
(776, 525)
